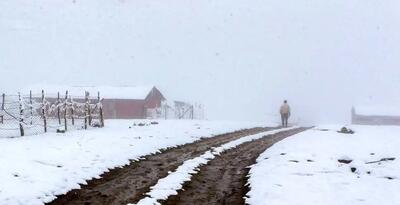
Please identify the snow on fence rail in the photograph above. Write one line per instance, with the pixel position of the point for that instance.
(22, 115)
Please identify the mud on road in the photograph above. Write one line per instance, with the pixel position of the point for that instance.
(223, 180)
(128, 184)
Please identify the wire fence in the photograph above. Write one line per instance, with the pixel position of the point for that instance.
(176, 110)
(22, 115)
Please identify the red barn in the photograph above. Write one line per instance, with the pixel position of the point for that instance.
(119, 102)
(133, 107)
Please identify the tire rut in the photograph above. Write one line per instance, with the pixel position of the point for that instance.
(223, 180)
(128, 184)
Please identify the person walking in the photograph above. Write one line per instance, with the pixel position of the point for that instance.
(285, 113)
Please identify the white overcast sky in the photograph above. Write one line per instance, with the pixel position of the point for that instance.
(240, 58)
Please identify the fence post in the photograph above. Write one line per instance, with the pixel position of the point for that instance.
(192, 112)
(86, 109)
(65, 111)
(72, 111)
(31, 105)
(58, 108)
(2, 108)
(44, 112)
(4, 99)
(100, 110)
(21, 115)
(89, 110)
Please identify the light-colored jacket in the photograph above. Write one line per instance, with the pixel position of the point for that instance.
(285, 109)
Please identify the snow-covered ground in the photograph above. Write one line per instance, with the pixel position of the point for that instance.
(36, 168)
(304, 169)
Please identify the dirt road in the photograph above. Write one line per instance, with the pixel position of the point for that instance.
(223, 180)
(128, 184)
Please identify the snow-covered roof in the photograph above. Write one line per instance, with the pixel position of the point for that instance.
(107, 92)
(378, 110)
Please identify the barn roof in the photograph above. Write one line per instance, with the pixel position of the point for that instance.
(106, 92)
(377, 110)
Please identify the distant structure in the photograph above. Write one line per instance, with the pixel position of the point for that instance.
(375, 115)
(119, 102)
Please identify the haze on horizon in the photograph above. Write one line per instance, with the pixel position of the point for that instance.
(239, 58)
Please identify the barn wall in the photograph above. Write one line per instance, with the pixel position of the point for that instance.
(154, 99)
(123, 109)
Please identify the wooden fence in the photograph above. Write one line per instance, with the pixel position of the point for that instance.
(30, 114)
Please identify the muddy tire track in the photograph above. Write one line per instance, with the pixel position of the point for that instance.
(223, 180)
(128, 184)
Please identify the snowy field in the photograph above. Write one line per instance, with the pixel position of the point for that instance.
(36, 168)
(305, 169)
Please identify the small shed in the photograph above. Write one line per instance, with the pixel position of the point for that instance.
(375, 115)
(119, 102)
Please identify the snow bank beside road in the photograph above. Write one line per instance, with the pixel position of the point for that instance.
(305, 170)
(36, 168)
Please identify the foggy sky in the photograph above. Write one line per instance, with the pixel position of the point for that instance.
(239, 58)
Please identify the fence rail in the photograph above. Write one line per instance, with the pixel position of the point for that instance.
(22, 115)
